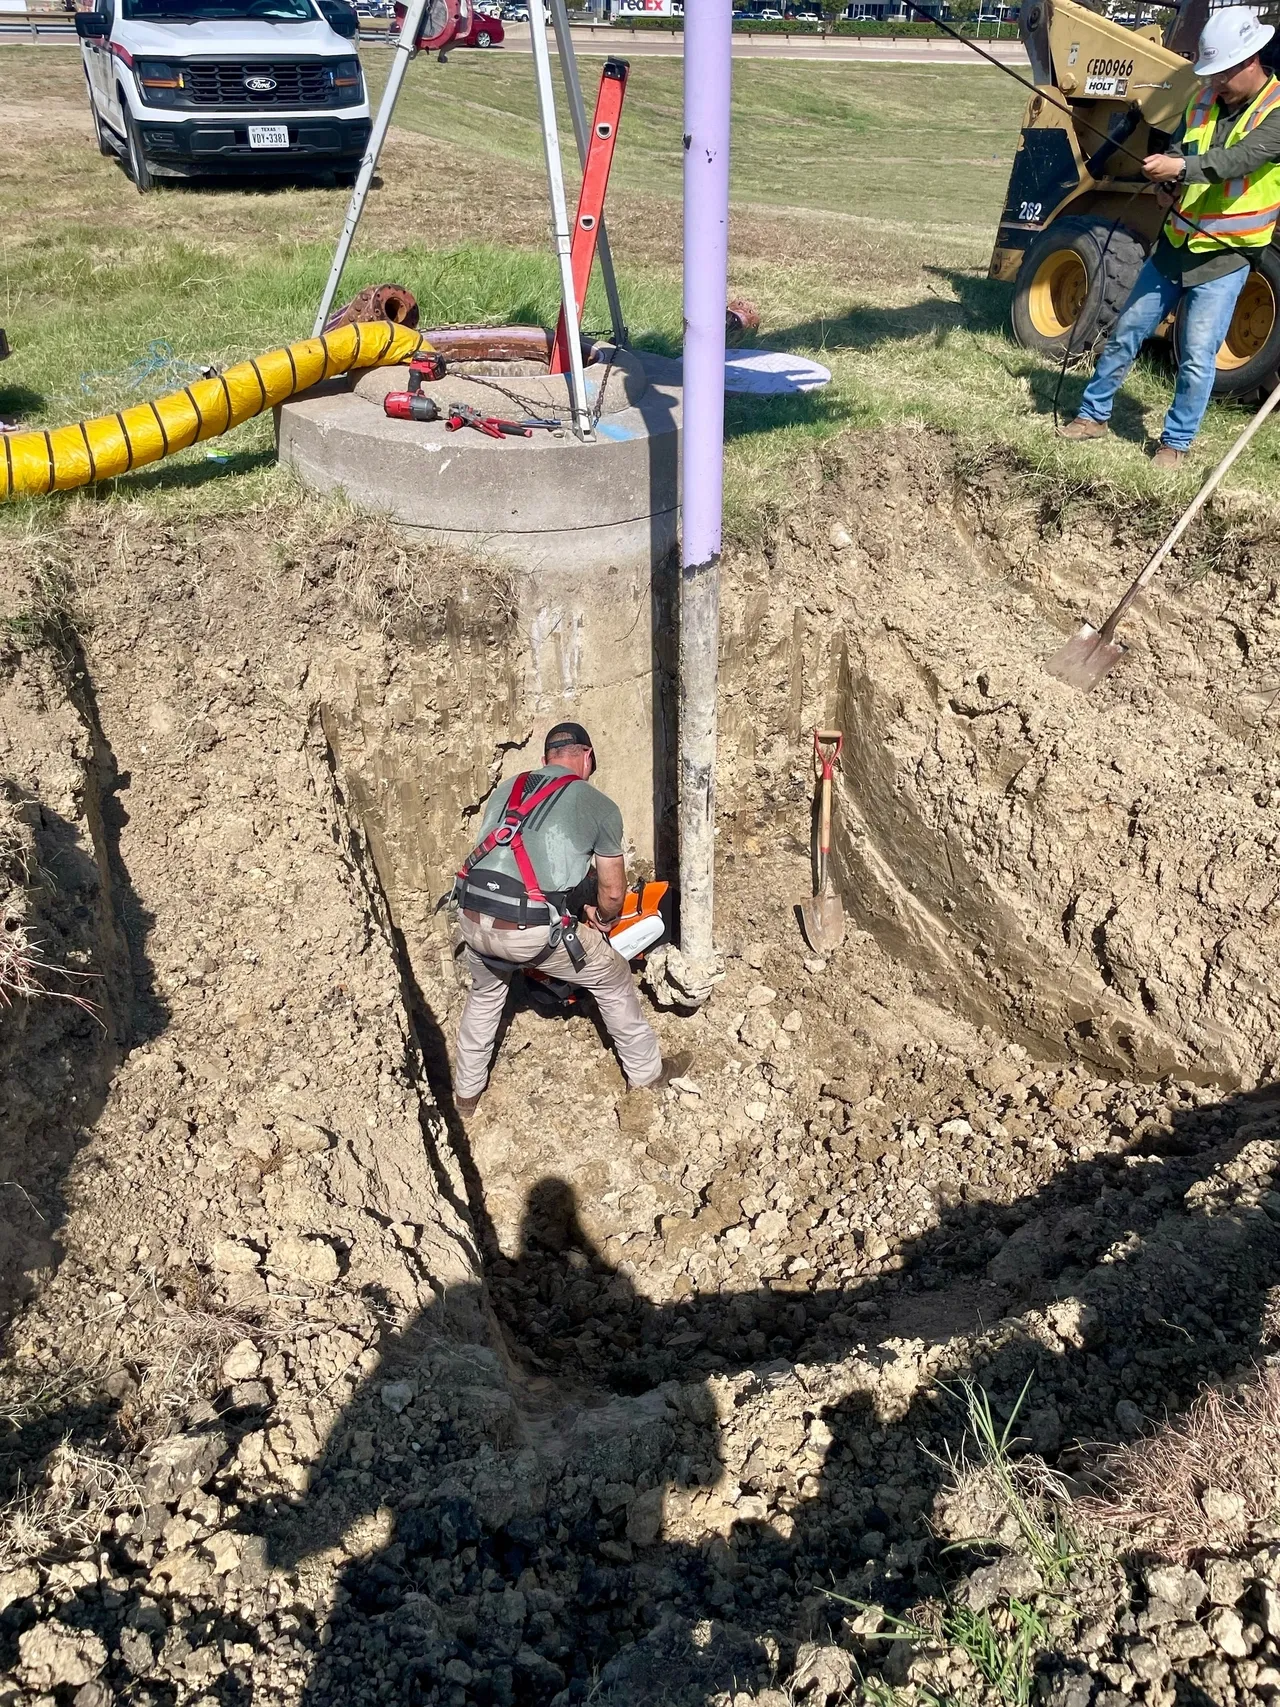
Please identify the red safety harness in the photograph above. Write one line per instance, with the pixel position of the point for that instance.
(509, 897)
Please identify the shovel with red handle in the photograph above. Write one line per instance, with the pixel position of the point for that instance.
(822, 916)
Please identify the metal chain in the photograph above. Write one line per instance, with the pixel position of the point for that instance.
(537, 405)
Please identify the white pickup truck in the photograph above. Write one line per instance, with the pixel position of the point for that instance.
(182, 87)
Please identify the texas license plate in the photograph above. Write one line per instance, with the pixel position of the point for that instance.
(268, 136)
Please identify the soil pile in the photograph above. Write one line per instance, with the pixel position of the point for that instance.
(317, 1396)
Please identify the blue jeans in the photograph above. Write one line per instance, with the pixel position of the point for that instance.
(1208, 315)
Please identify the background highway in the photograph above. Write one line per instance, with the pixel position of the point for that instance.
(640, 44)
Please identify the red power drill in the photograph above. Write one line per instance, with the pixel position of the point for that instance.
(427, 364)
(410, 406)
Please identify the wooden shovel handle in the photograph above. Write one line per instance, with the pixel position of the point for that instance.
(1185, 520)
(827, 745)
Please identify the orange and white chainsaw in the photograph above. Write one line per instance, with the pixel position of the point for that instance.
(640, 924)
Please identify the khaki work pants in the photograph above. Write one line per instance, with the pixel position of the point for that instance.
(606, 974)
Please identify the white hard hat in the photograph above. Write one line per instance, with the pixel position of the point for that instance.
(1232, 35)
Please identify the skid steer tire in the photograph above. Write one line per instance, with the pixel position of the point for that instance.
(1074, 280)
(1250, 354)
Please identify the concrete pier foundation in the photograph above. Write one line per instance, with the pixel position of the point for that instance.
(590, 529)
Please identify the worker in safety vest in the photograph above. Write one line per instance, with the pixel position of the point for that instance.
(521, 903)
(1223, 167)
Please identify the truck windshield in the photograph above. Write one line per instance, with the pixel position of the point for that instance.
(220, 11)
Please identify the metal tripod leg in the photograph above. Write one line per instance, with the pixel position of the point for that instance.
(404, 52)
(559, 216)
(573, 88)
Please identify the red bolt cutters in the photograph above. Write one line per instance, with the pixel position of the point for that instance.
(461, 415)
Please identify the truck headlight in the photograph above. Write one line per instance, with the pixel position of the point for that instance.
(346, 81)
(160, 83)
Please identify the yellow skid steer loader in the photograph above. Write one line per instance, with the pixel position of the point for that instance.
(1072, 177)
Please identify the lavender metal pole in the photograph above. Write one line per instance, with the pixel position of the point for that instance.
(708, 48)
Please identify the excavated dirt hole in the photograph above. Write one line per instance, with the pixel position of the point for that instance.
(726, 1318)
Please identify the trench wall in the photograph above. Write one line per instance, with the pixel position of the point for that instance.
(1092, 874)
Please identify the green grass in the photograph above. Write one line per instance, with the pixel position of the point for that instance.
(862, 234)
(1001, 1643)
(1036, 1508)
(841, 138)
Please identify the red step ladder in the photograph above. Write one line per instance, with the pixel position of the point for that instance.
(595, 181)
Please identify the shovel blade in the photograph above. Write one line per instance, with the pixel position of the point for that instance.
(1085, 659)
(822, 918)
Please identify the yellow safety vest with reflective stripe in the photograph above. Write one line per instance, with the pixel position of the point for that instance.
(1239, 213)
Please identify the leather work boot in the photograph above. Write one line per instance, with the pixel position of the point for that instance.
(466, 1106)
(673, 1067)
(1082, 428)
(1166, 458)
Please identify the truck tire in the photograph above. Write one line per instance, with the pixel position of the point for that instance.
(1250, 354)
(139, 171)
(1074, 280)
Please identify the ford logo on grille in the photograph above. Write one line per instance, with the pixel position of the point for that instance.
(260, 85)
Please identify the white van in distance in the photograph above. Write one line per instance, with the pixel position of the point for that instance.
(181, 87)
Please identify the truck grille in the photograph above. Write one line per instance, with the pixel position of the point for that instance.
(221, 83)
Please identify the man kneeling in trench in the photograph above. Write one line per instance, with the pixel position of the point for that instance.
(519, 894)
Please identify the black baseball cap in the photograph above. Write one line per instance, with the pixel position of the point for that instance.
(566, 735)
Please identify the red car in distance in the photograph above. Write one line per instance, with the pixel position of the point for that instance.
(485, 31)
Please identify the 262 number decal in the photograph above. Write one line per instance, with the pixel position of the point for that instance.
(1030, 212)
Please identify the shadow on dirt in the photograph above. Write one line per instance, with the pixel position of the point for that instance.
(263, 184)
(171, 476)
(534, 1571)
(69, 892)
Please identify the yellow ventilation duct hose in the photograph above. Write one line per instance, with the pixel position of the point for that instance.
(39, 462)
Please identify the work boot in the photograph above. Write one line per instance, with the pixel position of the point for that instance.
(1083, 428)
(673, 1067)
(1167, 459)
(466, 1106)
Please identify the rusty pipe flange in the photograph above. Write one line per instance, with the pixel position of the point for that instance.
(741, 320)
(377, 302)
(503, 344)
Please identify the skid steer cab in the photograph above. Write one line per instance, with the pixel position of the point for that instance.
(1074, 172)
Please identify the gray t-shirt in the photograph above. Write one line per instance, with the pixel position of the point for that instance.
(562, 835)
